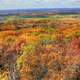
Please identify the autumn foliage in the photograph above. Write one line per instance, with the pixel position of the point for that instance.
(40, 49)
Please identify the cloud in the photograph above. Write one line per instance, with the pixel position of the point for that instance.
(56, 1)
(75, 1)
(12, 4)
(28, 3)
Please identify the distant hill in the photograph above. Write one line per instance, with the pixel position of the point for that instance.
(54, 10)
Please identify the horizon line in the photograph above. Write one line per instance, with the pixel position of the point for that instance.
(38, 8)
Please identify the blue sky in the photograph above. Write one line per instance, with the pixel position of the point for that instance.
(29, 4)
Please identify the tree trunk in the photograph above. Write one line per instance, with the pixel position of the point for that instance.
(13, 73)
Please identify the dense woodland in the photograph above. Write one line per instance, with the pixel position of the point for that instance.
(40, 49)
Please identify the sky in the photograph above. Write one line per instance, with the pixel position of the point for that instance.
(30, 4)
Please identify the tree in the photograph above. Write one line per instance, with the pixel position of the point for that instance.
(9, 57)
